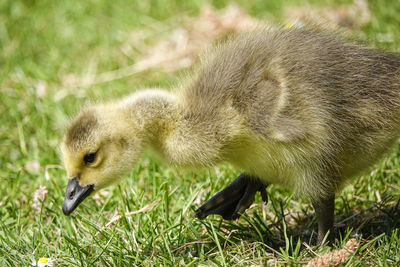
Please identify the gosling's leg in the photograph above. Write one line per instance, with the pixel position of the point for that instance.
(232, 201)
(324, 212)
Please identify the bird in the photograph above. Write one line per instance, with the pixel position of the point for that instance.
(302, 108)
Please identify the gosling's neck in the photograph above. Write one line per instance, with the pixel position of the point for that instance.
(154, 113)
(156, 116)
(159, 118)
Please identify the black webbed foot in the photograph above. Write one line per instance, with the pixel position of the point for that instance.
(234, 199)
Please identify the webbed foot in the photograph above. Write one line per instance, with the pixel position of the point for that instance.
(234, 199)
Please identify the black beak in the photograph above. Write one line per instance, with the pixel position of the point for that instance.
(74, 195)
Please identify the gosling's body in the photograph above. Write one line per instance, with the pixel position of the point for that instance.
(298, 107)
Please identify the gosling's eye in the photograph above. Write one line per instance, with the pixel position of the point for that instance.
(89, 158)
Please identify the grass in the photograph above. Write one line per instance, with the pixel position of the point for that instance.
(45, 44)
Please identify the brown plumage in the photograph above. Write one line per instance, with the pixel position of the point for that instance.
(296, 107)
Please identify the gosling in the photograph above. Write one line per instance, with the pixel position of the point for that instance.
(296, 107)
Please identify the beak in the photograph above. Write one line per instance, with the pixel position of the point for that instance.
(74, 195)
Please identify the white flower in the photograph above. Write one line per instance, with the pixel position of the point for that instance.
(43, 262)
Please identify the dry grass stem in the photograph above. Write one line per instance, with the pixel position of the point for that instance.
(348, 16)
(144, 209)
(336, 257)
(39, 196)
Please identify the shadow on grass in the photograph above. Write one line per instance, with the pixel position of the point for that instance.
(381, 217)
(252, 236)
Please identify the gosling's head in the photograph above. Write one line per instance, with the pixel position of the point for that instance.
(100, 146)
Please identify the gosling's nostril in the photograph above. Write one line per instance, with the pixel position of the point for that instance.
(71, 194)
